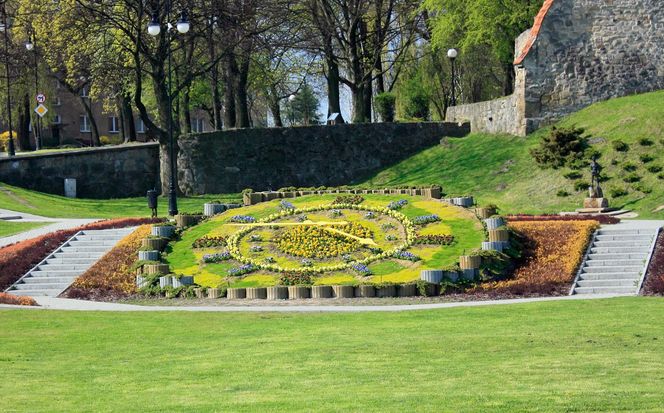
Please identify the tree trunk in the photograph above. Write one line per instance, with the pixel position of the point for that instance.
(23, 132)
(358, 96)
(508, 86)
(275, 107)
(216, 99)
(186, 109)
(241, 95)
(333, 101)
(128, 114)
(94, 136)
(230, 72)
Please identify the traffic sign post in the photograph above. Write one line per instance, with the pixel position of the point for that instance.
(41, 110)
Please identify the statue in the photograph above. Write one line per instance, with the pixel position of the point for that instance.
(595, 170)
(595, 203)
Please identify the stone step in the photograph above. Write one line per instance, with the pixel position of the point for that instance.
(634, 231)
(80, 255)
(37, 293)
(47, 280)
(86, 243)
(53, 273)
(617, 282)
(605, 290)
(63, 267)
(621, 250)
(616, 256)
(626, 244)
(71, 260)
(610, 269)
(619, 237)
(98, 249)
(45, 286)
(610, 276)
(614, 263)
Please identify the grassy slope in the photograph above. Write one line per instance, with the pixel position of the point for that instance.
(498, 169)
(532, 357)
(11, 228)
(23, 200)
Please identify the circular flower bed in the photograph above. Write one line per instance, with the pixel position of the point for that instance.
(325, 247)
(318, 242)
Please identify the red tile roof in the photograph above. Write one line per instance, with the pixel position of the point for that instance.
(534, 32)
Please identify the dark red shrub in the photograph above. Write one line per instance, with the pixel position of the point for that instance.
(654, 284)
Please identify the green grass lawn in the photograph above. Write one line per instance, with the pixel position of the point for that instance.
(8, 228)
(499, 169)
(596, 355)
(23, 200)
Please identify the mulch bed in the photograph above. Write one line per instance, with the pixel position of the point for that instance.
(654, 284)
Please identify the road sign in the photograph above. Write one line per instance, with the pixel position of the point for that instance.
(41, 110)
(41, 98)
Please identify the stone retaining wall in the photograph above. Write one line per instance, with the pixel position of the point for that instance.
(267, 159)
(100, 173)
(577, 53)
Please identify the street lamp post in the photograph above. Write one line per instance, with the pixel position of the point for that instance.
(5, 28)
(452, 55)
(154, 28)
(30, 46)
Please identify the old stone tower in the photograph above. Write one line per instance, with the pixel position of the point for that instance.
(578, 52)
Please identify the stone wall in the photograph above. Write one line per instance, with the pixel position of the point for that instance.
(100, 173)
(264, 159)
(493, 116)
(579, 52)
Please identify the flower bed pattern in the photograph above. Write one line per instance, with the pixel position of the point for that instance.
(553, 252)
(383, 250)
(17, 259)
(111, 276)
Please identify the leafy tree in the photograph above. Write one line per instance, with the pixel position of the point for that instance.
(473, 24)
(385, 103)
(302, 109)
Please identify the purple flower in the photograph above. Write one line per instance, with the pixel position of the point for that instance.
(405, 255)
(361, 269)
(212, 258)
(285, 205)
(243, 269)
(394, 205)
(243, 219)
(425, 219)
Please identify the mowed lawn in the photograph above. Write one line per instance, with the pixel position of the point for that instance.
(596, 355)
(8, 228)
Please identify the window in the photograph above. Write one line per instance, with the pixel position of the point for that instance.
(84, 123)
(197, 125)
(140, 126)
(113, 124)
(57, 101)
(84, 92)
(57, 120)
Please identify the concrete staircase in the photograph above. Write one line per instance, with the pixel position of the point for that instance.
(56, 273)
(617, 260)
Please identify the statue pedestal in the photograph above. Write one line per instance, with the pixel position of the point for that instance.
(594, 206)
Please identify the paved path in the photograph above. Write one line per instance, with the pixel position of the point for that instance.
(49, 303)
(54, 224)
